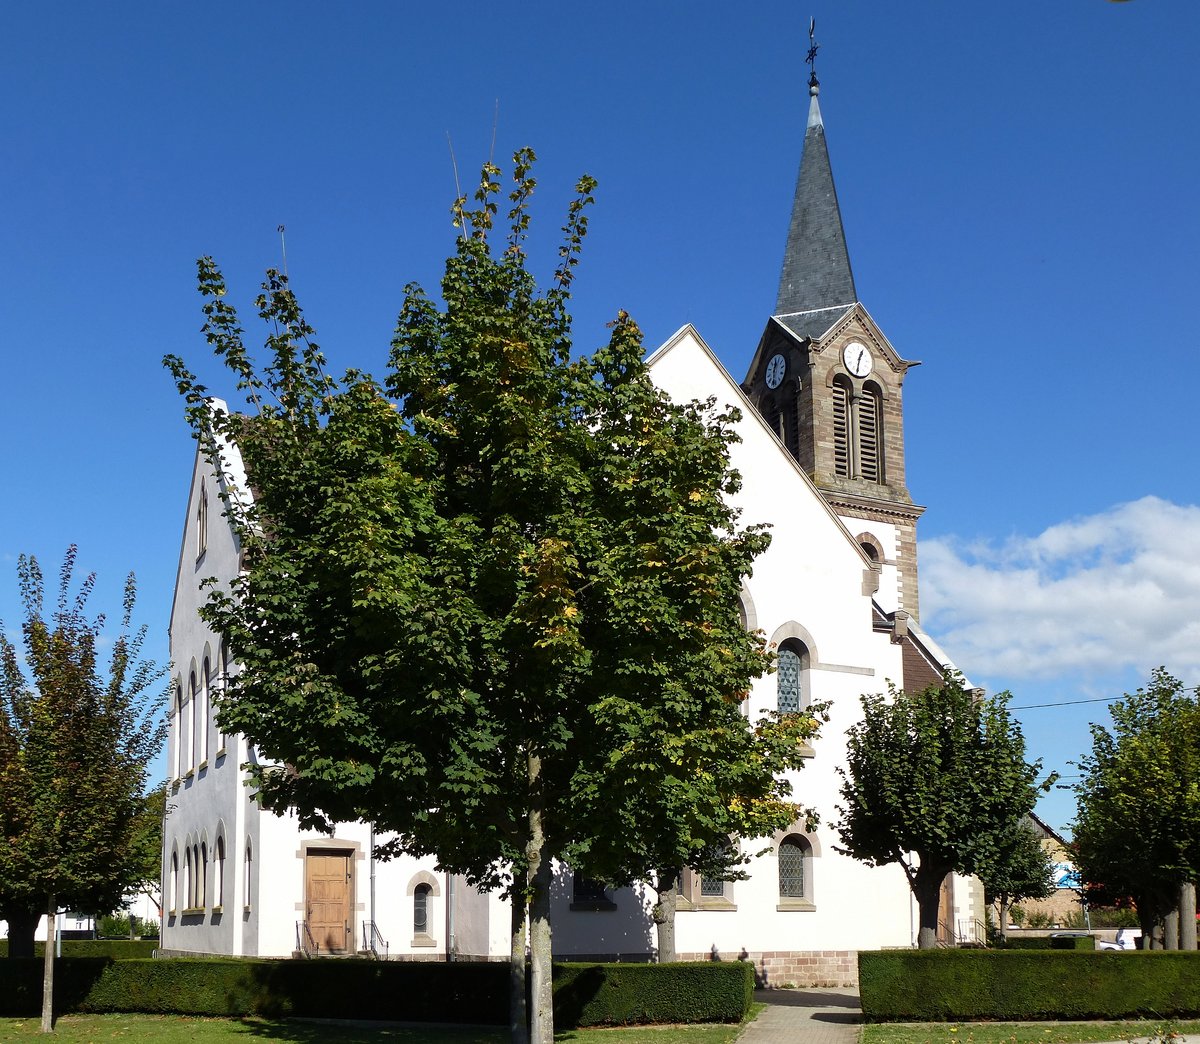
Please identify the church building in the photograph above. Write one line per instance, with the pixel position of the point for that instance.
(836, 595)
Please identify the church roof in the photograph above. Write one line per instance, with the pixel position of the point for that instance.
(816, 272)
(812, 324)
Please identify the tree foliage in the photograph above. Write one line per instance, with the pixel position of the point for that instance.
(491, 602)
(1137, 827)
(75, 742)
(934, 781)
(1018, 868)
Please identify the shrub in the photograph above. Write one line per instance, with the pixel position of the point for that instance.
(122, 949)
(638, 994)
(1072, 942)
(952, 985)
(418, 991)
(117, 926)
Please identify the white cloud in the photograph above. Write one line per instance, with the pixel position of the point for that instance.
(1115, 590)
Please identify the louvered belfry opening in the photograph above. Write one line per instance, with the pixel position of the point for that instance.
(857, 431)
(841, 428)
(869, 435)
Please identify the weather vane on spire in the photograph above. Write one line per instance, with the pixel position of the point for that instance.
(813, 47)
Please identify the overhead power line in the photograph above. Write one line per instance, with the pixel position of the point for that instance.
(1067, 703)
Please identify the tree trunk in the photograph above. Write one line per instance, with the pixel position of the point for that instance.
(22, 925)
(538, 877)
(1187, 916)
(927, 888)
(1152, 931)
(518, 1010)
(664, 912)
(1005, 903)
(541, 1024)
(1171, 929)
(48, 968)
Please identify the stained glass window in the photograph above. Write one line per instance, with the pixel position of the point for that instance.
(791, 868)
(787, 679)
(421, 909)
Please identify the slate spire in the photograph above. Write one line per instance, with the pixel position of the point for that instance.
(816, 266)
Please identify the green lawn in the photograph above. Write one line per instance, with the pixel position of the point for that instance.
(1018, 1032)
(175, 1029)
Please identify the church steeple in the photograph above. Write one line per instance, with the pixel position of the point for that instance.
(816, 265)
(829, 384)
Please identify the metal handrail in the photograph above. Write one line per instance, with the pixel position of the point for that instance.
(374, 940)
(305, 943)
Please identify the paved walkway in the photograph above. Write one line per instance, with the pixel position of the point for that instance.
(818, 1016)
(825, 1016)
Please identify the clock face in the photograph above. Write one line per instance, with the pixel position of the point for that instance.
(776, 368)
(857, 357)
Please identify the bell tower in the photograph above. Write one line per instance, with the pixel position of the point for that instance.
(829, 383)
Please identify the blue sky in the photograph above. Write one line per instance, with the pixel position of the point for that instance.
(1018, 185)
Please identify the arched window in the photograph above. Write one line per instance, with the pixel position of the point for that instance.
(202, 523)
(219, 873)
(202, 876)
(173, 888)
(194, 696)
(421, 909)
(189, 884)
(248, 874)
(870, 433)
(222, 684)
(790, 677)
(842, 392)
(795, 868)
(715, 887)
(206, 676)
(177, 730)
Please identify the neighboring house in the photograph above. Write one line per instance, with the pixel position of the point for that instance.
(1065, 900)
(822, 460)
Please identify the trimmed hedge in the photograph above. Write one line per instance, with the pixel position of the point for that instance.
(122, 949)
(1027, 985)
(1072, 942)
(1051, 942)
(639, 994)
(416, 991)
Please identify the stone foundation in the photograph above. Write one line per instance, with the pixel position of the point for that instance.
(805, 968)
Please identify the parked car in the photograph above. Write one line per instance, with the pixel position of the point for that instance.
(1127, 939)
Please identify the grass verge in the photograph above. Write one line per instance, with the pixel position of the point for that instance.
(175, 1029)
(1020, 1032)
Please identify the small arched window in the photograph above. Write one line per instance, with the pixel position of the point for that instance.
(202, 523)
(222, 686)
(790, 677)
(248, 874)
(421, 909)
(173, 888)
(795, 868)
(178, 733)
(194, 696)
(189, 884)
(219, 872)
(206, 676)
(202, 876)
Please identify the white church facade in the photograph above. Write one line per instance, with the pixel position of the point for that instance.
(822, 460)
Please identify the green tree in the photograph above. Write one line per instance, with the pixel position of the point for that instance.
(1137, 827)
(933, 781)
(491, 602)
(75, 742)
(1017, 868)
